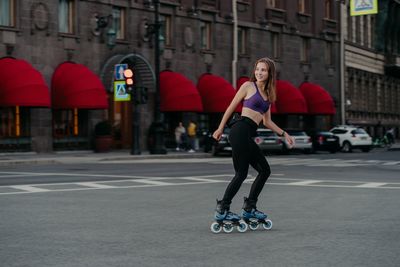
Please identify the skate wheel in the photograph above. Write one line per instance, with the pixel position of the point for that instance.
(228, 228)
(267, 225)
(216, 228)
(242, 227)
(253, 226)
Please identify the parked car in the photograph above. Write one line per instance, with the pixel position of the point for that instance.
(223, 145)
(302, 141)
(351, 137)
(267, 140)
(324, 140)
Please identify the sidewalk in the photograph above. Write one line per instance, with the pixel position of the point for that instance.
(88, 156)
(395, 146)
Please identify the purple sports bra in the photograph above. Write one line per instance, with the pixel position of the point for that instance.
(256, 102)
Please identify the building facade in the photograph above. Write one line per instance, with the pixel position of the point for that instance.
(372, 68)
(197, 38)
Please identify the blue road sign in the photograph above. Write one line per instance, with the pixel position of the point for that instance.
(119, 71)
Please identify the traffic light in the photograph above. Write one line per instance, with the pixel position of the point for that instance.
(128, 75)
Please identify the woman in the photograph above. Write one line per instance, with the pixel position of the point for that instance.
(257, 95)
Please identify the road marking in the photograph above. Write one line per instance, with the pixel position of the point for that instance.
(391, 163)
(371, 185)
(202, 180)
(305, 182)
(192, 180)
(150, 182)
(96, 185)
(29, 188)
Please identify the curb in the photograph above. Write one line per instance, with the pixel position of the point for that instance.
(82, 158)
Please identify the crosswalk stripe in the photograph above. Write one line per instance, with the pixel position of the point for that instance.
(371, 185)
(150, 182)
(95, 185)
(29, 188)
(305, 182)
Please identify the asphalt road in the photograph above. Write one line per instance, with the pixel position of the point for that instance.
(327, 210)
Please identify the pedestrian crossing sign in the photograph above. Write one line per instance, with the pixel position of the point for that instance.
(363, 7)
(119, 71)
(120, 92)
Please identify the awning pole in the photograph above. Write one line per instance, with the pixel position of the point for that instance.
(17, 122)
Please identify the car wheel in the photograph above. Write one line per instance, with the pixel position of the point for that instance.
(346, 147)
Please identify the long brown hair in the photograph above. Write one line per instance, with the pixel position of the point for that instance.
(270, 85)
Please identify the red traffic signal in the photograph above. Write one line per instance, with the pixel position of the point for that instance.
(128, 75)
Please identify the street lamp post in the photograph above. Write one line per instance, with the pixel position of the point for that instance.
(157, 126)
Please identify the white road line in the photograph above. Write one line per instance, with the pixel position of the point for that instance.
(150, 182)
(203, 180)
(95, 185)
(16, 175)
(193, 180)
(391, 163)
(305, 182)
(30, 189)
(371, 185)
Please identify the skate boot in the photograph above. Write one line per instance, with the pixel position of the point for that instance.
(254, 217)
(226, 220)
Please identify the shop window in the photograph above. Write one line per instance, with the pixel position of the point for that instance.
(66, 16)
(70, 129)
(205, 29)
(119, 22)
(242, 40)
(166, 29)
(14, 128)
(7, 13)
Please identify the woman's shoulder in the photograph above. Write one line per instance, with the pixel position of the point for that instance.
(246, 85)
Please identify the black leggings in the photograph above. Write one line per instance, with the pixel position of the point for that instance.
(246, 152)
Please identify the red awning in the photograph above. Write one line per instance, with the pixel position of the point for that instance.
(241, 81)
(22, 85)
(289, 99)
(319, 101)
(75, 86)
(177, 93)
(216, 93)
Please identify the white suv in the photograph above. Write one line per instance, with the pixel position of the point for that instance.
(352, 137)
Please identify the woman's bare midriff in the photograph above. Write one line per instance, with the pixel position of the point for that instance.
(254, 115)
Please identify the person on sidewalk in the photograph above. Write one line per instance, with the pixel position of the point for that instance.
(257, 96)
(180, 131)
(191, 132)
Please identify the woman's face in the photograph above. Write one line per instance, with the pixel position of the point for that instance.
(261, 72)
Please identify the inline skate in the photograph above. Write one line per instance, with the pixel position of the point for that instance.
(226, 220)
(254, 217)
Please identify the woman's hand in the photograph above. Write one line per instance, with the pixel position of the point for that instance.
(289, 140)
(217, 134)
